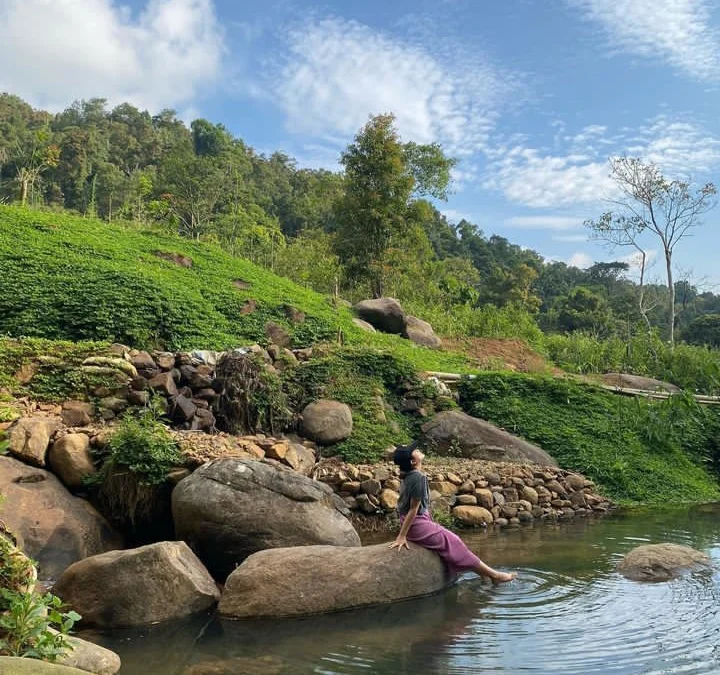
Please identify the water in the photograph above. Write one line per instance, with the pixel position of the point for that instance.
(568, 612)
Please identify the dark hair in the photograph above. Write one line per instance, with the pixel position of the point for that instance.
(402, 456)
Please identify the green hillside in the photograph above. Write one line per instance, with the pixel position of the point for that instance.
(70, 278)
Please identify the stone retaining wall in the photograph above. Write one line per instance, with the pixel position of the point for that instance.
(475, 493)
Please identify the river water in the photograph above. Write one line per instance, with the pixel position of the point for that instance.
(568, 612)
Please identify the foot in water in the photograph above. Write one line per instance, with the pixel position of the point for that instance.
(503, 577)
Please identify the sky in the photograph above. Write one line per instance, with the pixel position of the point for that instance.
(531, 96)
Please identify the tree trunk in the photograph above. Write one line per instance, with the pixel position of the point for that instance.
(671, 303)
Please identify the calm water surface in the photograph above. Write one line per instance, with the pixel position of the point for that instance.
(568, 612)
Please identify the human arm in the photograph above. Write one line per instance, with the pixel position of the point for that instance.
(401, 539)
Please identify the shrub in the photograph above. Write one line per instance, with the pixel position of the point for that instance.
(635, 449)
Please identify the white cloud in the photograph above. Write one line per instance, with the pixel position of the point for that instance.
(576, 172)
(455, 216)
(338, 72)
(548, 222)
(60, 50)
(580, 259)
(676, 31)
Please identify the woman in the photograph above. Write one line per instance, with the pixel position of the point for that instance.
(417, 525)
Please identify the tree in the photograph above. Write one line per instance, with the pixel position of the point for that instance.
(650, 204)
(381, 177)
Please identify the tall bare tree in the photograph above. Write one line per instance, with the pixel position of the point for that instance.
(650, 204)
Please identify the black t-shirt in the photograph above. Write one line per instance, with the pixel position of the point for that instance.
(414, 486)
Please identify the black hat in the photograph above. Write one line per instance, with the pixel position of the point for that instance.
(402, 454)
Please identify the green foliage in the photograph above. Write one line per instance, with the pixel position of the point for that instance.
(636, 450)
(142, 445)
(690, 367)
(704, 330)
(34, 626)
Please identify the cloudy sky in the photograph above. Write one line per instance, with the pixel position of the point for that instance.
(532, 96)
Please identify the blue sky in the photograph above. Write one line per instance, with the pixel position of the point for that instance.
(532, 96)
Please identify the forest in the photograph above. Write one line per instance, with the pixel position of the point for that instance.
(373, 228)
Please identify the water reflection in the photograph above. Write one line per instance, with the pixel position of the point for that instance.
(568, 612)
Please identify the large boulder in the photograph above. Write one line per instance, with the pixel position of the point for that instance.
(385, 314)
(70, 459)
(29, 438)
(452, 431)
(421, 332)
(318, 579)
(56, 528)
(138, 586)
(15, 665)
(661, 562)
(230, 508)
(327, 422)
(90, 657)
(626, 381)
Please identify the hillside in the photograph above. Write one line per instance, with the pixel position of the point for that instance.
(70, 278)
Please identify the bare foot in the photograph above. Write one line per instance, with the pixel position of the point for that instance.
(503, 577)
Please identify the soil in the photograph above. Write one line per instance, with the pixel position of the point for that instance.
(500, 354)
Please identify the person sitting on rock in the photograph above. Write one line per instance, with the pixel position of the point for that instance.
(418, 526)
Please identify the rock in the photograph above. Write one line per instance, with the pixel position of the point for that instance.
(293, 315)
(164, 383)
(473, 516)
(122, 365)
(165, 360)
(230, 508)
(15, 665)
(77, 413)
(389, 499)
(29, 438)
(661, 562)
(143, 361)
(530, 494)
(182, 409)
(445, 488)
(138, 398)
(351, 487)
(306, 459)
(365, 504)
(454, 479)
(138, 586)
(364, 325)
(284, 582)
(57, 529)
(70, 459)
(485, 498)
(626, 381)
(90, 658)
(467, 500)
(327, 422)
(370, 486)
(421, 332)
(577, 499)
(385, 314)
(478, 439)
(277, 334)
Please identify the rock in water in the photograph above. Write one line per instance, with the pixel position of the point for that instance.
(474, 438)
(56, 528)
(138, 586)
(317, 579)
(15, 665)
(661, 562)
(327, 422)
(230, 508)
(90, 657)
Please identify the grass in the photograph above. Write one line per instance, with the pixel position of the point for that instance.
(637, 451)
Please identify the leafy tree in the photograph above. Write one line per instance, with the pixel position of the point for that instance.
(649, 203)
(381, 176)
(704, 330)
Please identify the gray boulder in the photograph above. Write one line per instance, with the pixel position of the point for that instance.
(138, 586)
(229, 509)
(56, 528)
(453, 431)
(360, 323)
(327, 422)
(661, 562)
(70, 459)
(90, 657)
(385, 314)
(627, 381)
(421, 332)
(317, 579)
(29, 438)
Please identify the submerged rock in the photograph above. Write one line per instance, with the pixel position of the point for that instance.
(317, 579)
(661, 562)
(473, 438)
(56, 528)
(91, 658)
(138, 586)
(231, 508)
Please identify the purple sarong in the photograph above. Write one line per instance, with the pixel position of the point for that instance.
(425, 532)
